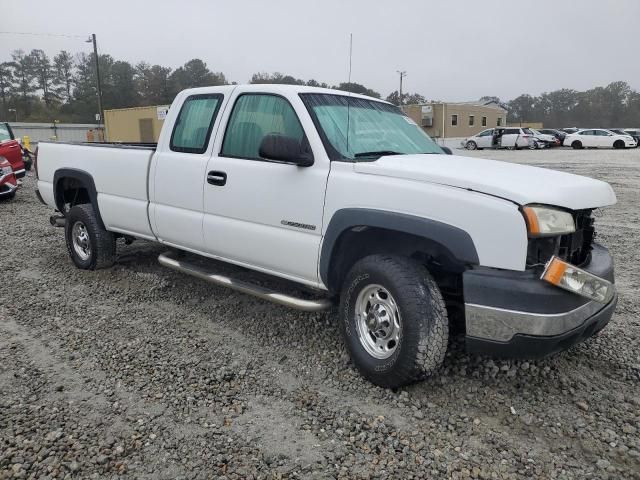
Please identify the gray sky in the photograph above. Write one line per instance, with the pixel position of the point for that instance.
(454, 50)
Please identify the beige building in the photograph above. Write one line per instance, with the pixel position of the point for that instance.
(138, 124)
(456, 120)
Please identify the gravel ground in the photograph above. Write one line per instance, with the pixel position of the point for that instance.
(141, 372)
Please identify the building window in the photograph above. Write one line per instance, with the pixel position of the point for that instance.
(472, 120)
(484, 121)
(454, 120)
(499, 122)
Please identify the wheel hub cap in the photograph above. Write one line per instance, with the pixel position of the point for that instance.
(81, 241)
(378, 321)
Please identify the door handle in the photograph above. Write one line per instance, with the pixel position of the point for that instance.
(216, 178)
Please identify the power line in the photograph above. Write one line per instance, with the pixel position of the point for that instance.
(67, 35)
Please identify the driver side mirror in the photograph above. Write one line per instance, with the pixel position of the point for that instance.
(447, 150)
(286, 149)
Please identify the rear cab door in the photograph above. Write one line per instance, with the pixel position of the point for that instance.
(177, 173)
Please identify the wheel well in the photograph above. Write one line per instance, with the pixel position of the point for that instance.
(437, 258)
(70, 192)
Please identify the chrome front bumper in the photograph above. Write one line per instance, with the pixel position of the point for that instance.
(515, 314)
(501, 325)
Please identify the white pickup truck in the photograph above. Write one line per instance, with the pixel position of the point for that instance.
(346, 195)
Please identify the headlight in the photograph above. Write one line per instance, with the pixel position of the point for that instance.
(574, 279)
(547, 221)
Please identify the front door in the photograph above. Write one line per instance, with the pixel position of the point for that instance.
(261, 213)
(485, 138)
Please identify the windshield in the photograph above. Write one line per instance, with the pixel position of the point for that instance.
(375, 128)
(4, 132)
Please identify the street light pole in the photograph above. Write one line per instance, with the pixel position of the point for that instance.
(402, 75)
(98, 84)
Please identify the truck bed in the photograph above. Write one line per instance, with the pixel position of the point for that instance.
(119, 171)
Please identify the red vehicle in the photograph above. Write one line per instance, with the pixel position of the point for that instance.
(8, 181)
(11, 150)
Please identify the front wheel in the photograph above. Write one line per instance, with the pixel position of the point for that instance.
(471, 145)
(90, 246)
(618, 144)
(393, 320)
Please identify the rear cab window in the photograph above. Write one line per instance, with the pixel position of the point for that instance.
(192, 130)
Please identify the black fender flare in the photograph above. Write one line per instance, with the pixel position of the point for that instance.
(86, 180)
(456, 240)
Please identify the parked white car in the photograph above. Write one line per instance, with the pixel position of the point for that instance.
(598, 138)
(369, 212)
(502, 137)
(544, 139)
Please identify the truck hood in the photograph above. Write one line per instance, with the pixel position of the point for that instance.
(519, 183)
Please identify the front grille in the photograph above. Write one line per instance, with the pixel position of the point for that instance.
(574, 248)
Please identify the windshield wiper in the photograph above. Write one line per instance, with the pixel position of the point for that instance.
(378, 153)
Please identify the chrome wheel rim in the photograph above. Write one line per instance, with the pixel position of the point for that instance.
(378, 321)
(81, 241)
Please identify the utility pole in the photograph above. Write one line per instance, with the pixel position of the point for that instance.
(402, 74)
(98, 84)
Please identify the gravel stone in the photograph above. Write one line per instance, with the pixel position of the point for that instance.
(141, 372)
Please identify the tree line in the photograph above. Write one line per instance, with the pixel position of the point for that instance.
(42, 89)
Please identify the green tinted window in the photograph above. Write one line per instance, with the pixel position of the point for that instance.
(195, 121)
(254, 116)
(352, 127)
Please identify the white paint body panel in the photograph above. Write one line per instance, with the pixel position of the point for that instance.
(521, 184)
(120, 176)
(495, 225)
(243, 220)
(164, 195)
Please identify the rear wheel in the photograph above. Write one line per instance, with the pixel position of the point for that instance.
(576, 144)
(90, 246)
(471, 145)
(393, 320)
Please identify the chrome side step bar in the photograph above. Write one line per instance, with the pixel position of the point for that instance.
(318, 305)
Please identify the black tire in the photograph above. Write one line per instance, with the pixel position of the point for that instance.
(102, 244)
(471, 145)
(576, 144)
(9, 197)
(424, 331)
(618, 144)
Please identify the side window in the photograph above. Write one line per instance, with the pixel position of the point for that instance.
(195, 121)
(4, 133)
(602, 133)
(486, 133)
(587, 132)
(499, 122)
(253, 117)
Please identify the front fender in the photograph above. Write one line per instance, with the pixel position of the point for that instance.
(458, 242)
